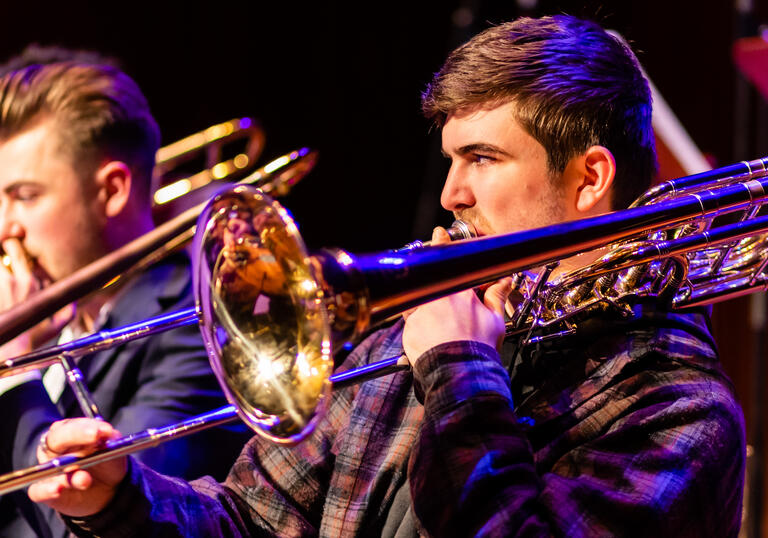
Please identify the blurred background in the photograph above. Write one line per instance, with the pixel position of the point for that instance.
(345, 79)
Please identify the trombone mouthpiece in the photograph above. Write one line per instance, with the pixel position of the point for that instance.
(458, 230)
(461, 230)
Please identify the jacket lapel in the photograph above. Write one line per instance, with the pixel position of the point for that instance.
(147, 296)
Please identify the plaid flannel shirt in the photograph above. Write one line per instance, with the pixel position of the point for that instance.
(632, 432)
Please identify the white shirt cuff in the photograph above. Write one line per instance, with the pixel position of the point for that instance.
(11, 382)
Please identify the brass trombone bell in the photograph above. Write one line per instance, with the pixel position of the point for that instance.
(262, 313)
(228, 150)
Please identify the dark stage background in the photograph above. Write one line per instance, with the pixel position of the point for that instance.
(345, 80)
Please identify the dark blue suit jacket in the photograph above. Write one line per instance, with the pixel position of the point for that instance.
(147, 383)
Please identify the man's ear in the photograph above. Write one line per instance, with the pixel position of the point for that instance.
(595, 172)
(113, 180)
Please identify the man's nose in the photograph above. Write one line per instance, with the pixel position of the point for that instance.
(457, 192)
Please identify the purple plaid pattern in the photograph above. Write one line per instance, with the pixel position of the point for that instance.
(636, 433)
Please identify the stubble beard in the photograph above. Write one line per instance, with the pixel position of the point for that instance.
(548, 209)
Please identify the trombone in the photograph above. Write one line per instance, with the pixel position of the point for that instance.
(273, 316)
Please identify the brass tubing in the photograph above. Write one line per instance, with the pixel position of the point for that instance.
(154, 436)
(96, 342)
(113, 449)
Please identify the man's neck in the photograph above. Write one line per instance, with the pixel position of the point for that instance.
(121, 231)
(130, 226)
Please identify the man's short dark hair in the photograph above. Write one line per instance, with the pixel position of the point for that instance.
(574, 85)
(98, 110)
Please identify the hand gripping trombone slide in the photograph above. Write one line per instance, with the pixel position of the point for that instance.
(273, 316)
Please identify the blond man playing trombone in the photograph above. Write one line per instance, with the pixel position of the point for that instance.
(77, 149)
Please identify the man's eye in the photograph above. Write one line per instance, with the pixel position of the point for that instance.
(482, 159)
(26, 194)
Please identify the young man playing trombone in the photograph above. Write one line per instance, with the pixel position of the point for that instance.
(77, 149)
(626, 428)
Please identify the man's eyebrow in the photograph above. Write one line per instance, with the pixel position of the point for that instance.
(481, 148)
